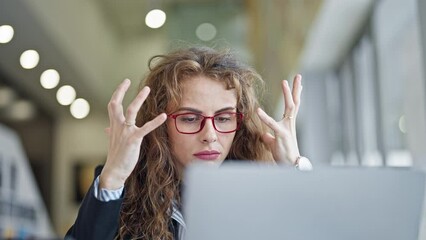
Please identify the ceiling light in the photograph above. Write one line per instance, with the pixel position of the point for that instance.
(29, 59)
(6, 33)
(206, 31)
(155, 18)
(65, 95)
(80, 108)
(49, 79)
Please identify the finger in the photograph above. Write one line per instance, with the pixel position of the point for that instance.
(297, 90)
(270, 122)
(107, 130)
(288, 99)
(115, 107)
(136, 104)
(268, 138)
(151, 125)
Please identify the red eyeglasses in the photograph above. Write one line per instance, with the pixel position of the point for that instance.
(191, 123)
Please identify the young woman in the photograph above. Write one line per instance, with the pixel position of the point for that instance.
(196, 104)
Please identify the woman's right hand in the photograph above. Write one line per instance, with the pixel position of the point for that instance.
(125, 137)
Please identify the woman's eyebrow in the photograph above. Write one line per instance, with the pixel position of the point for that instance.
(200, 112)
(225, 109)
(189, 109)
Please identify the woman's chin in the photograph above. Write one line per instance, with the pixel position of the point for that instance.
(215, 162)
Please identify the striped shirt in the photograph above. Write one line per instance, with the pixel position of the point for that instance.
(106, 195)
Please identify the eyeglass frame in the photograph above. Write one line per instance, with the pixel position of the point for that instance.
(240, 117)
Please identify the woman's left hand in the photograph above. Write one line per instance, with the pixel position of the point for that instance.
(283, 143)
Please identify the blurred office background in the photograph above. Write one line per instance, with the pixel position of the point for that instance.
(362, 62)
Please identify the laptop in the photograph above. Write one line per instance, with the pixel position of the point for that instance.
(252, 202)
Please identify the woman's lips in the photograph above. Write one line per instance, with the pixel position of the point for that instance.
(207, 155)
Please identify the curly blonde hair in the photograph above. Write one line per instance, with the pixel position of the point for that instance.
(154, 184)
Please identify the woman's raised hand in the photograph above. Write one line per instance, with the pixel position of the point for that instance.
(283, 143)
(125, 137)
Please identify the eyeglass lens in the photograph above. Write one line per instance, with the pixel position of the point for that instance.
(192, 122)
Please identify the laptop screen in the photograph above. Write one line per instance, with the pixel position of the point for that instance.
(249, 201)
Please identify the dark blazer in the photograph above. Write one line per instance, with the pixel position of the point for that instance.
(96, 219)
(100, 220)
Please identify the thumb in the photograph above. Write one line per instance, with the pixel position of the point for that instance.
(268, 139)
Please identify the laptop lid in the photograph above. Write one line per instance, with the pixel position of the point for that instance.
(248, 201)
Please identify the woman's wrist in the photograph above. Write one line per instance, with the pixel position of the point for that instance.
(110, 181)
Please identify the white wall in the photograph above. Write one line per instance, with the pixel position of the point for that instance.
(76, 141)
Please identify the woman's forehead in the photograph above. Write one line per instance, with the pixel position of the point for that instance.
(206, 93)
(205, 87)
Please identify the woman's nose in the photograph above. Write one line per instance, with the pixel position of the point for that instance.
(208, 134)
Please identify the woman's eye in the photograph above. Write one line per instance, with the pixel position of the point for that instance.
(223, 118)
(189, 118)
